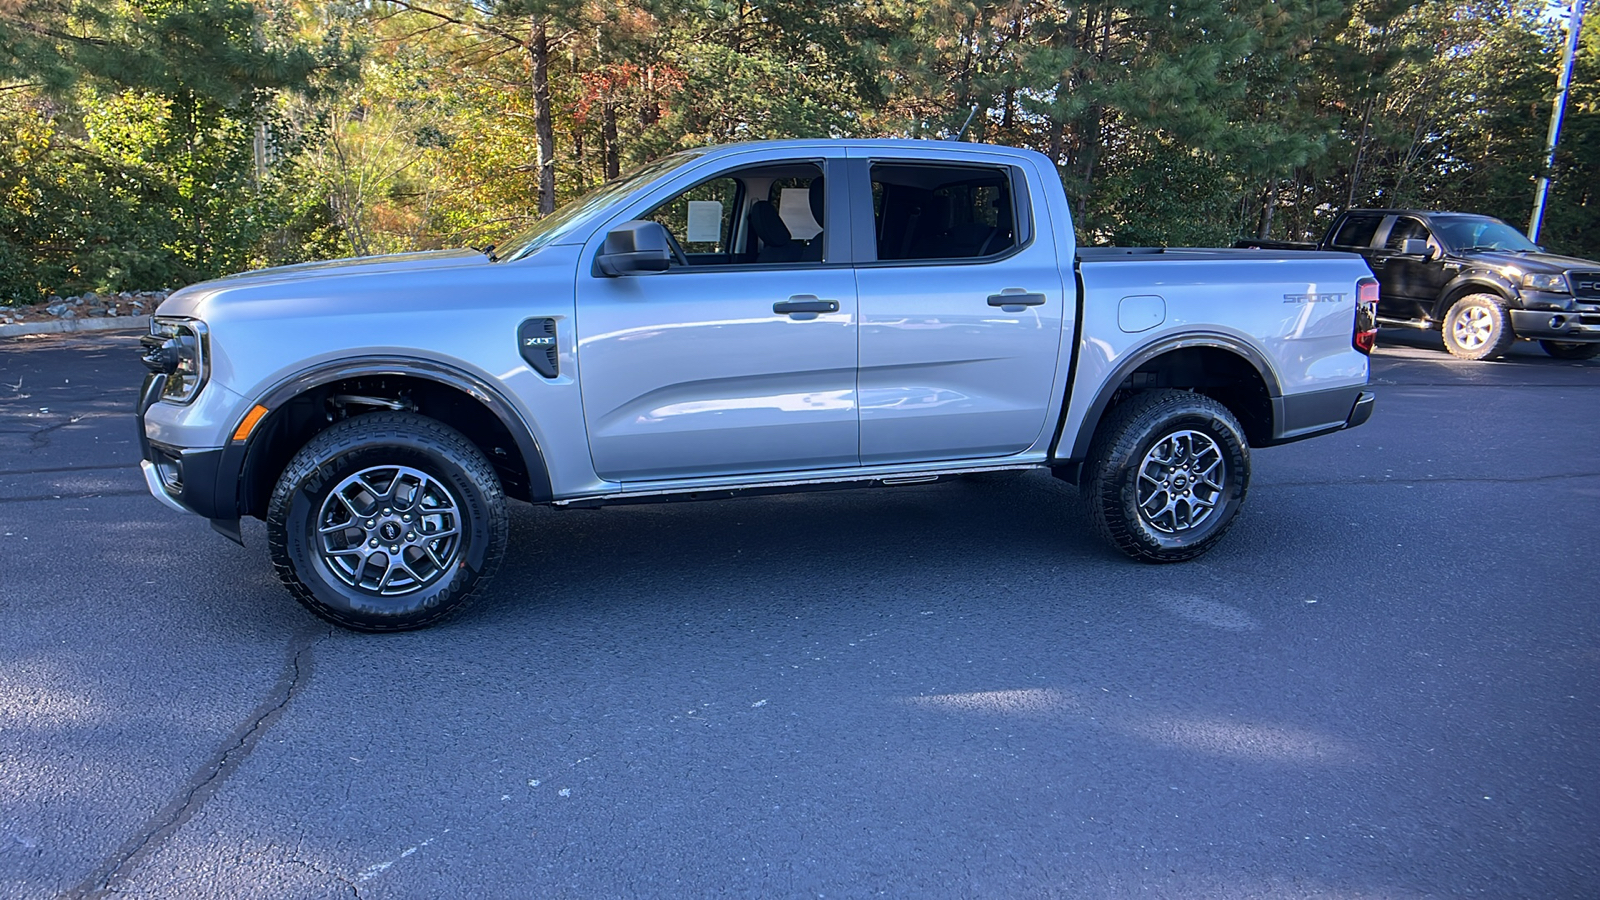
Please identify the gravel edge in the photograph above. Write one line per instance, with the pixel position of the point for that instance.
(69, 326)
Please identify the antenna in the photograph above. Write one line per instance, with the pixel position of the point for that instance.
(966, 123)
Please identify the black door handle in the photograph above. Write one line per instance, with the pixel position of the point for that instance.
(1017, 299)
(805, 303)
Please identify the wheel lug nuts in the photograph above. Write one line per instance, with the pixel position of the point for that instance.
(374, 543)
(394, 549)
(371, 523)
(406, 517)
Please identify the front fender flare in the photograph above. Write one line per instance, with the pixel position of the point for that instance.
(238, 454)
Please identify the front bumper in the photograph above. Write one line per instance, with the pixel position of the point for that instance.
(1577, 326)
(187, 480)
(158, 487)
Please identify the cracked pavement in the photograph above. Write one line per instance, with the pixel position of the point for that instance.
(1382, 684)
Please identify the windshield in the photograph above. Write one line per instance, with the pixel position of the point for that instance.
(553, 227)
(1466, 233)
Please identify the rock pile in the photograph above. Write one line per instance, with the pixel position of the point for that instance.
(90, 305)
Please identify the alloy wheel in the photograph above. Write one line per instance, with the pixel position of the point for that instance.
(389, 530)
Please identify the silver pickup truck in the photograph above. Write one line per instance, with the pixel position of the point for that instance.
(746, 319)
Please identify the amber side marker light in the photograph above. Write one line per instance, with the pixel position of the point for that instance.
(251, 419)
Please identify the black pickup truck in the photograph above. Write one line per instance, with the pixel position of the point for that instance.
(1475, 278)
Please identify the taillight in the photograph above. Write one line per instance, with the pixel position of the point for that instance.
(1366, 328)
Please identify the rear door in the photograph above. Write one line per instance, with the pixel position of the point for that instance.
(1360, 232)
(962, 304)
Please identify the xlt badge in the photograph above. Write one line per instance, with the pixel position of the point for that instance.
(536, 339)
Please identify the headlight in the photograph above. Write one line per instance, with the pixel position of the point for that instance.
(1555, 284)
(177, 349)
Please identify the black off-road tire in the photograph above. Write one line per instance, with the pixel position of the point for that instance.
(1478, 326)
(416, 462)
(1570, 350)
(1129, 446)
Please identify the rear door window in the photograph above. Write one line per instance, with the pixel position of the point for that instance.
(934, 212)
(1357, 232)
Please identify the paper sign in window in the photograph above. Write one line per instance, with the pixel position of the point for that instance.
(794, 208)
(705, 221)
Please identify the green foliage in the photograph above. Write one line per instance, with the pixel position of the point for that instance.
(153, 142)
(140, 154)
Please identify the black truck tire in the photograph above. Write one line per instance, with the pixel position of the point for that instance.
(1477, 326)
(1570, 349)
(1166, 474)
(387, 521)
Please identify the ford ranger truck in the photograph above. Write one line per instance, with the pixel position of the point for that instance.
(1475, 279)
(739, 320)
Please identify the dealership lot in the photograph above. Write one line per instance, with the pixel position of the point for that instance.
(1383, 683)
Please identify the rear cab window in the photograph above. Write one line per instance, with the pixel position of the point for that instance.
(1357, 231)
(940, 212)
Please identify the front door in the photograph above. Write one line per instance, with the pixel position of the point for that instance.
(743, 359)
(1409, 285)
(961, 313)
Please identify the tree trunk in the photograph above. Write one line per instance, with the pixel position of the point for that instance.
(608, 138)
(1268, 206)
(545, 161)
(1361, 148)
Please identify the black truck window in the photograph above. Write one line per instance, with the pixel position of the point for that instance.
(1405, 229)
(1357, 231)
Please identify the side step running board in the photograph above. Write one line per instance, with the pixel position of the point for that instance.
(725, 490)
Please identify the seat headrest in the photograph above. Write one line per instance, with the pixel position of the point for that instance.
(818, 192)
(768, 225)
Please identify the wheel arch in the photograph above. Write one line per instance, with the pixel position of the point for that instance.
(1472, 283)
(1226, 369)
(297, 411)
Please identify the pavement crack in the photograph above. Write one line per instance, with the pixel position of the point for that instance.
(355, 889)
(108, 877)
(39, 436)
(57, 470)
(35, 498)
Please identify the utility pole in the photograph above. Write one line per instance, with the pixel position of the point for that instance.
(1563, 85)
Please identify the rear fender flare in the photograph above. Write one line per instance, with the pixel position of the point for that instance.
(1102, 401)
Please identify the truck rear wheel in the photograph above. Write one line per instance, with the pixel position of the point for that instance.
(386, 522)
(1477, 326)
(1166, 475)
(1570, 349)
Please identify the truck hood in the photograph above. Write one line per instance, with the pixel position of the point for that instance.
(187, 302)
(1541, 263)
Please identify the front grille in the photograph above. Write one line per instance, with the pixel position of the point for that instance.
(1585, 284)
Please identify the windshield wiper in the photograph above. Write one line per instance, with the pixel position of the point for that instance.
(487, 251)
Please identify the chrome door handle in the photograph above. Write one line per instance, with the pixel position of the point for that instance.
(805, 303)
(1016, 297)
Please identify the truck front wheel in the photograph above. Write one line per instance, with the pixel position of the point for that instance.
(1166, 474)
(386, 522)
(1478, 327)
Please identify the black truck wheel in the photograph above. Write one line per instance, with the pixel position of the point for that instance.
(1477, 326)
(386, 522)
(1570, 350)
(1166, 474)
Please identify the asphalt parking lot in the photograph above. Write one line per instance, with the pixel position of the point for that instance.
(1384, 684)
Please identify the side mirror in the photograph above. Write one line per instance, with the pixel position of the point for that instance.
(1417, 247)
(636, 247)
